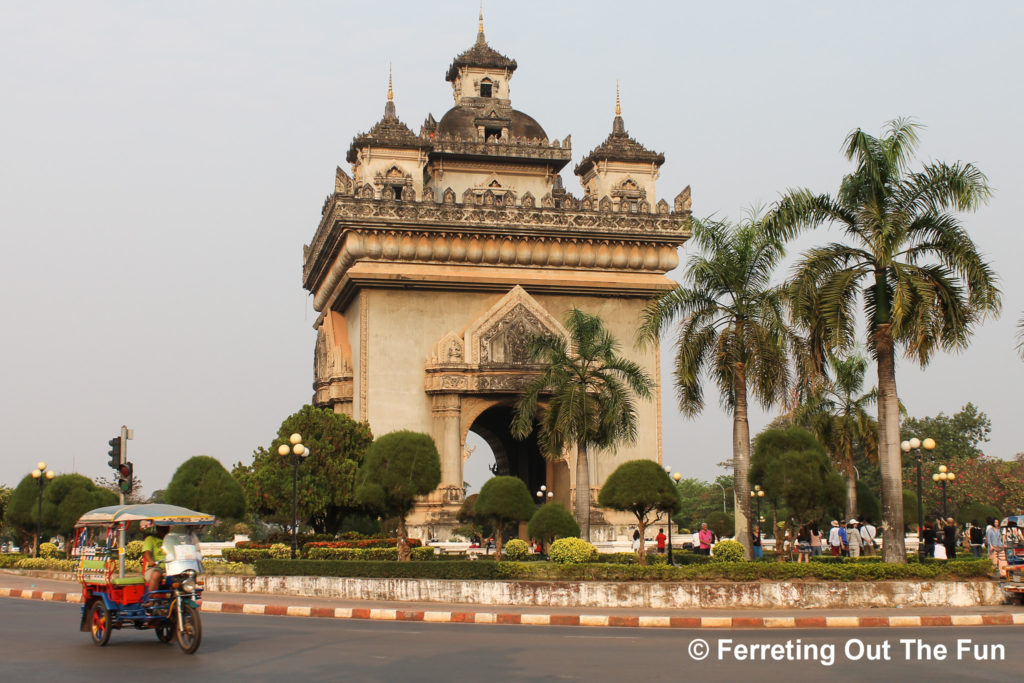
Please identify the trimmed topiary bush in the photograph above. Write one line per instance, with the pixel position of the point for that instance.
(49, 551)
(516, 549)
(572, 551)
(727, 551)
(133, 551)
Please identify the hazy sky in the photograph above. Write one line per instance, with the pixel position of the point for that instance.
(163, 164)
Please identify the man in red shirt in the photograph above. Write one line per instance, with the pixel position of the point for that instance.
(660, 538)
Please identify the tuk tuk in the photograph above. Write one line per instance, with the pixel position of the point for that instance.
(112, 600)
(1013, 541)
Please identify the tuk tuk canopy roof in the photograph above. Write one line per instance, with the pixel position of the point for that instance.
(159, 513)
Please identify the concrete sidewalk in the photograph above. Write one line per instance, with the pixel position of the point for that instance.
(40, 588)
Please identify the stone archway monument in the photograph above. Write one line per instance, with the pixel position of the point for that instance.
(444, 252)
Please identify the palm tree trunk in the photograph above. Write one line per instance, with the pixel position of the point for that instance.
(741, 462)
(851, 484)
(851, 495)
(889, 460)
(583, 491)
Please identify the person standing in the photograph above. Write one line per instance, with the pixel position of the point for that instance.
(994, 541)
(756, 543)
(803, 544)
(706, 539)
(660, 540)
(949, 534)
(835, 539)
(636, 540)
(853, 538)
(815, 534)
(928, 537)
(977, 538)
(867, 537)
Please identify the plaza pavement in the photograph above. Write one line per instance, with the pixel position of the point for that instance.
(14, 585)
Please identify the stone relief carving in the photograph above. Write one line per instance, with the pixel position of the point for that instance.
(507, 342)
(683, 201)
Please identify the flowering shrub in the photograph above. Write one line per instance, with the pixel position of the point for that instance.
(49, 551)
(133, 551)
(727, 551)
(228, 568)
(46, 563)
(280, 551)
(516, 549)
(572, 551)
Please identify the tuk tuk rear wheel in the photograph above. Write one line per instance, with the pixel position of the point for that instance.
(191, 631)
(165, 631)
(99, 623)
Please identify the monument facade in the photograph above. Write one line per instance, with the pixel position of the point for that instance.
(441, 253)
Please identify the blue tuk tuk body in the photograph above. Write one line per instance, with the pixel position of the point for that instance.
(1013, 540)
(112, 601)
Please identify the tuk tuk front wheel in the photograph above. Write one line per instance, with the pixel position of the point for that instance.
(99, 623)
(165, 631)
(191, 630)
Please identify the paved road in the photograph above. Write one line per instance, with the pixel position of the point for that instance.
(40, 641)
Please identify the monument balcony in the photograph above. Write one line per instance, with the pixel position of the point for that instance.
(580, 235)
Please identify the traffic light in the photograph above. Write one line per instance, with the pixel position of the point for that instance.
(115, 452)
(124, 477)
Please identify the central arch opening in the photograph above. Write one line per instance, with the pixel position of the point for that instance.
(510, 457)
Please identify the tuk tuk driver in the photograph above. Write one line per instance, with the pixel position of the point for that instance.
(153, 553)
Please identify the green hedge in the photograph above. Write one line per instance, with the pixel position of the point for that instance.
(544, 571)
(440, 569)
(367, 554)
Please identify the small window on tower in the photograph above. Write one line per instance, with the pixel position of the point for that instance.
(492, 133)
(485, 88)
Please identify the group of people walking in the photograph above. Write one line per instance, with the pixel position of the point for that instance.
(942, 539)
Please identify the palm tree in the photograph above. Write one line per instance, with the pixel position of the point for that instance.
(732, 329)
(1020, 336)
(587, 391)
(908, 261)
(838, 416)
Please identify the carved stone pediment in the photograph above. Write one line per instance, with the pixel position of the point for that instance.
(492, 353)
(501, 336)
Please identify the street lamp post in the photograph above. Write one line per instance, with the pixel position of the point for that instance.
(544, 496)
(723, 496)
(41, 475)
(757, 494)
(297, 451)
(676, 476)
(916, 444)
(943, 476)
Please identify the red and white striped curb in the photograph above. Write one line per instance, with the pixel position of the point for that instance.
(439, 617)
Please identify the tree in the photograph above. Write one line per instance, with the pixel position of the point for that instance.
(909, 262)
(588, 390)
(838, 415)
(201, 483)
(722, 523)
(868, 505)
(552, 520)
(958, 440)
(732, 329)
(793, 467)
(643, 488)
(504, 501)
(399, 468)
(326, 478)
(110, 483)
(66, 498)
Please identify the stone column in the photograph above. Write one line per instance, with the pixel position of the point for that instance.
(447, 432)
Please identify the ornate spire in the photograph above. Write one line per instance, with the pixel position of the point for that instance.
(391, 93)
(480, 55)
(618, 125)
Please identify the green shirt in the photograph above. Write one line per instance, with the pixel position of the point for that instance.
(155, 545)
